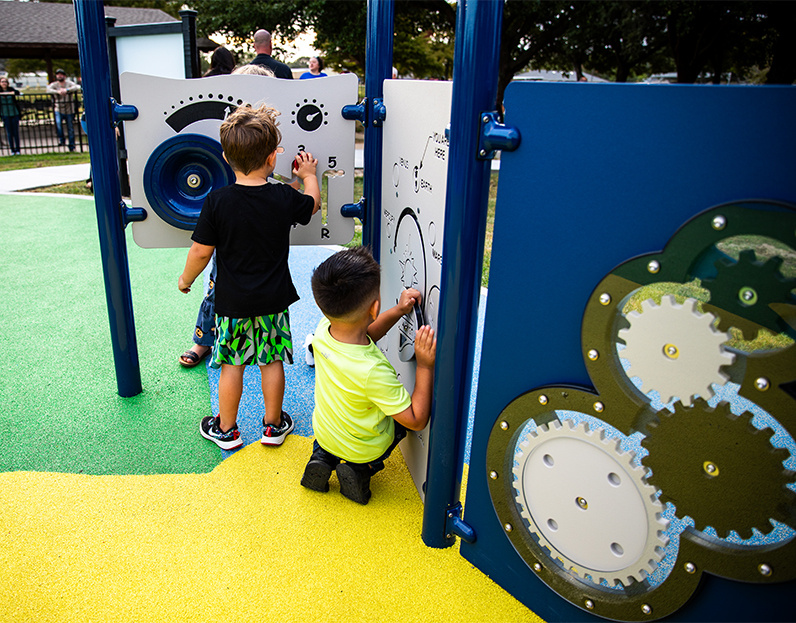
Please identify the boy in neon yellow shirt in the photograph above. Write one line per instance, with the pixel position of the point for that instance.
(362, 410)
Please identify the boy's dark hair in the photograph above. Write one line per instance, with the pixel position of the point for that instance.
(346, 282)
(249, 136)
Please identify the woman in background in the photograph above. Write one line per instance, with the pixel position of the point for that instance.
(221, 63)
(315, 65)
(9, 111)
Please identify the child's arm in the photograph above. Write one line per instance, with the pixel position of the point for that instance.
(305, 166)
(406, 302)
(416, 416)
(198, 257)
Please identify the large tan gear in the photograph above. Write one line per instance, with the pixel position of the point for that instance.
(675, 350)
(588, 503)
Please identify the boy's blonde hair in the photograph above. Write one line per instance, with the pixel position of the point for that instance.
(254, 70)
(249, 136)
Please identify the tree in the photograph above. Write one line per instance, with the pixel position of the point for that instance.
(625, 37)
(531, 30)
(423, 29)
(782, 36)
(717, 37)
(617, 39)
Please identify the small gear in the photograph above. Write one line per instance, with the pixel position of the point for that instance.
(675, 350)
(588, 504)
(719, 470)
(746, 289)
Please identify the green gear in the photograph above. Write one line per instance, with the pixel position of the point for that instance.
(745, 289)
(719, 470)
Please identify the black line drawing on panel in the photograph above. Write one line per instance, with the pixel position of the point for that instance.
(409, 251)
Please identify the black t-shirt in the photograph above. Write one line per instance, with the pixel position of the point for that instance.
(280, 69)
(250, 228)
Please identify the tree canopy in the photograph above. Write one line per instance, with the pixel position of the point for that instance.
(619, 40)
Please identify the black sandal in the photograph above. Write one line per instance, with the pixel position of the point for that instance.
(192, 357)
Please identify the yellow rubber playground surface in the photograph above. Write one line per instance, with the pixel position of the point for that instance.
(117, 510)
(242, 543)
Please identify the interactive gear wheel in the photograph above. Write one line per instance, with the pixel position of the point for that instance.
(746, 289)
(675, 350)
(725, 473)
(587, 503)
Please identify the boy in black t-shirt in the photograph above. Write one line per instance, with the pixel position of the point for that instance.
(248, 224)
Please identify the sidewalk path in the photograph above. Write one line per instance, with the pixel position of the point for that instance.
(25, 179)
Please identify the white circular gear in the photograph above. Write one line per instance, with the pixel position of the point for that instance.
(675, 350)
(588, 504)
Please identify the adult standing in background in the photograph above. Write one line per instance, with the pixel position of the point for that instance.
(315, 66)
(62, 91)
(264, 48)
(221, 62)
(9, 111)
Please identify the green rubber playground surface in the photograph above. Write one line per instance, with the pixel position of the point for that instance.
(58, 397)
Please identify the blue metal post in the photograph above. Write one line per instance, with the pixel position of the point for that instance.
(475, 73)
(378, 67)
(93, 48)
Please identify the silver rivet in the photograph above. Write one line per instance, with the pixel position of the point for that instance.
(646, 608)
(748, 296)
(485, 118)
(654, 266)
(593, 355)
(605, 298)
(482, 152)
(719, 222)
(447, 536)
(589, 604)
(542, 399)
(508, 527)
(194, 181)
(450, 515)
(537, 567)
(762, 384)
(493, 475)
(598, 407)
(711, 469)
(764, 569)
(504, 425)
(582, 503)
(690, 567)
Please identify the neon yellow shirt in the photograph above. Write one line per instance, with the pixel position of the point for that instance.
(356, 393)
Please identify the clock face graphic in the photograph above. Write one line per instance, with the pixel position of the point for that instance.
(310, 115)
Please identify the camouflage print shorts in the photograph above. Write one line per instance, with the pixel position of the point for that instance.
(252, 341)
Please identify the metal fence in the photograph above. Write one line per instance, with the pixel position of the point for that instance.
(37, 133)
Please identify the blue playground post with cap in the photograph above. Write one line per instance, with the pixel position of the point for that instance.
(93, 49)
(475, 71)
(378, 67)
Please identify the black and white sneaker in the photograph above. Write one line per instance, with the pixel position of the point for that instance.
(210, 428)
(275, 435)
(309, 354)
